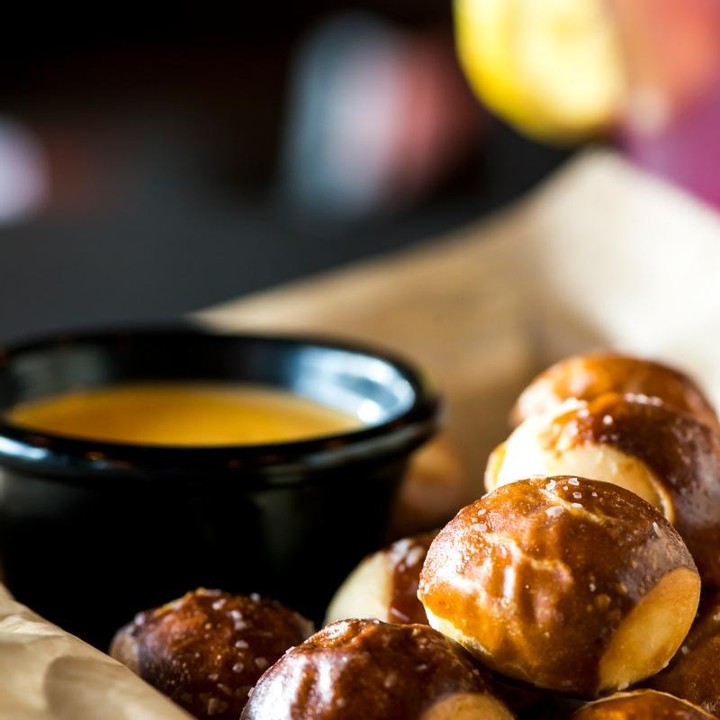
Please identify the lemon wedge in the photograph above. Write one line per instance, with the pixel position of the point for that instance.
(551, 68)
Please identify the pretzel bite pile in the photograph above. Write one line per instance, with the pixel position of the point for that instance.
(570, 590)
(636, 426)
(665, 456)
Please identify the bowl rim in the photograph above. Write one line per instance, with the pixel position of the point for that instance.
(83, 461)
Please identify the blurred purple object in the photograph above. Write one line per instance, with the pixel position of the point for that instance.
(671, 125)
(687, 150)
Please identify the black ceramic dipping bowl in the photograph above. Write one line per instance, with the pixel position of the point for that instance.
(93, 532)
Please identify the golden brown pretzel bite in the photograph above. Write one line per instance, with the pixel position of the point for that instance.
(694, 672)
(669, 458)
(640, 705)
(384, 584)
(587, 377)
(208, 648)
(362, 669)
(569, 584)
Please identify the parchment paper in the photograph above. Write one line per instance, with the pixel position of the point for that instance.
(46, 673)
(602, 256)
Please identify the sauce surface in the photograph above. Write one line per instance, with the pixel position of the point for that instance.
(183, 413)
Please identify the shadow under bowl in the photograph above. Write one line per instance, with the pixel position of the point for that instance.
(92, 532)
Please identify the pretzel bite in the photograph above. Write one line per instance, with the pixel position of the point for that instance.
(384, 584)
(640, 705)
(694, 672)
(668, 458)
(587, 377)
(569, 584)
(359, 669)
(208, 648)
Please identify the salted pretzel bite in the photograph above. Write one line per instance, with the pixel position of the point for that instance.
(640, 705)
(208, 648)
(571, 585)
(586, 377)
(361, 668)
(667, 457)
(384, 584)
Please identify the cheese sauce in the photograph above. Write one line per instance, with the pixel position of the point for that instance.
(183, 413)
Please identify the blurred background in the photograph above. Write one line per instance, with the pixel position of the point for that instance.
(155, 163)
